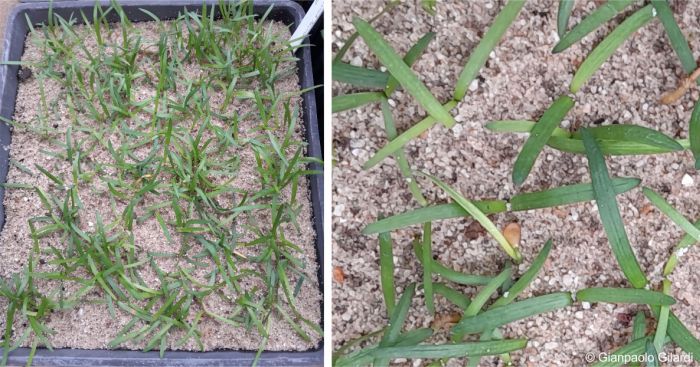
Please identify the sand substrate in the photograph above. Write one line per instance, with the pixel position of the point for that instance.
(90, 326)
(520, 80)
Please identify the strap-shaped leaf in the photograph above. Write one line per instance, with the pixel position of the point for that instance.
(610, 214)
(590, 23)
(538, 137)
(608, 46)
(481, 52)
(403, 74)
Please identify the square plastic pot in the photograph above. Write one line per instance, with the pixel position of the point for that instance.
(15, 34)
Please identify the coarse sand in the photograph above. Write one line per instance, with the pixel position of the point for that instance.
(90, 326)
(520, 80)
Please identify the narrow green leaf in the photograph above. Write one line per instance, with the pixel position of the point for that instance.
(652, 356)
(396, 321)
(401, 140)
(633, 133)
(672, 213)
(694, 134)
(525, 279)
(483, 296)
(359, 76)
(398, 317)
(479, 216)
(458, 298)
(590, 23)
(632, 350)
(427, 267)
(682, 336)
(662, 324)
(365, 356)
(639, 326)
(413, 54)
(400, 155)
(675, 36)
(608, 46)
(521, 126)
(429, 6)
(348, 101)
(386, 270)
(684, 243)
(564, 141)
(609, 147)
(413, 337)
(610, 214)
(481, 52)
(398, 69)
(624, 295)
(495, 317)
(563, 14)
(431, 214)
(538, 137)
(567, 194)
(450, 274)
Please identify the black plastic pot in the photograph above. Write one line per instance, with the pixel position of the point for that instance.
(285, 11)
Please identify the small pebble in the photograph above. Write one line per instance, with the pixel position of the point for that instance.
(687, 181)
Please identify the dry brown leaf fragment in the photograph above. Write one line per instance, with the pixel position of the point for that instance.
(512, 233)
(646, 209)
(338, 274)
(445, 320)
(685, 84)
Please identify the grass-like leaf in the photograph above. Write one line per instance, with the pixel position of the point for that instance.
(521, 126)
(563, 14)
(485, 293)
(564, 141)
(590, 23)
(480, 299)
(639, 326)
(684, 243)
(348, 101)
(567, 194)
(624, 295)
(633, 349)
(608, 46)
(431, 214)
(458, 298)
(495, 317)
(610, 147)
(682, 336)
(386, 270)
(694, 134)
(481, 52)
(450, 274)
(359, 76)
(610, 214)
(662, 325)
(405, 76)
(427, 267)
(633, 133)
(538, 137)
(525, 279)
(558, 196)
(413, 54)
(480, 217)
(365, 357)
(401, 140)
(397, 319)
(672, 213)
(675, 36)
(400, 155)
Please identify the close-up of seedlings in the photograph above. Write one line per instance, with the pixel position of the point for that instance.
(469, 313)
(158, 193)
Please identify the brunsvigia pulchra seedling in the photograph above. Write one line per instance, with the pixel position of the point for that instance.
(479, 317)
(184, 128)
